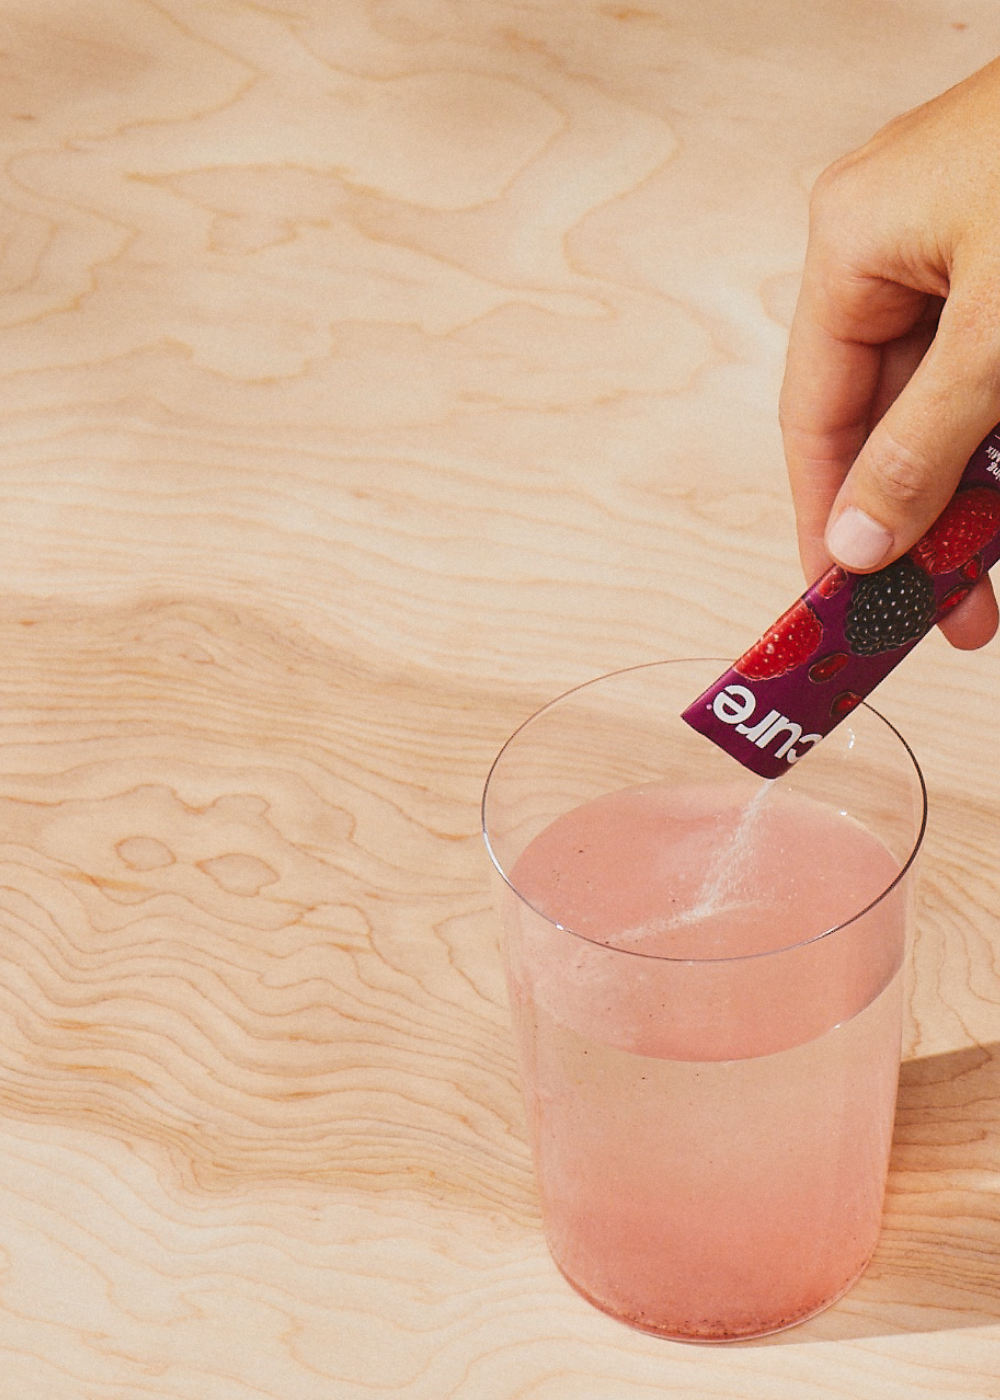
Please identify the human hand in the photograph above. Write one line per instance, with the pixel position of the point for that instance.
(893, 371)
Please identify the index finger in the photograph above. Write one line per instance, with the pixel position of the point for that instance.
(825, 410)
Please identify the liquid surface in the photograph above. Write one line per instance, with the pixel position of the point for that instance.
(703, 872)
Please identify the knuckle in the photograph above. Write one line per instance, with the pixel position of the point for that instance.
(832, 198)
(826, 183)
(900, 475)
(788, 418)
(839, 217)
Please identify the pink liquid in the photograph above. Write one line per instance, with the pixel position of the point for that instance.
(711, 1138)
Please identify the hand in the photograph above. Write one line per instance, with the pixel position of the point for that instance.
(893, 371)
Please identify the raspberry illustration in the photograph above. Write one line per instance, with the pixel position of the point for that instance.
(969, 520)
(890, 608)
(957, 595)
(827, 666)
(831, 582)
(787, 644)
(973, 569)
(845, 702)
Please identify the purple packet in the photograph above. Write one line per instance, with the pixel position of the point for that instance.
(847, 632)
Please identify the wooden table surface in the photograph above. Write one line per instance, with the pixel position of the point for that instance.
(371, 370)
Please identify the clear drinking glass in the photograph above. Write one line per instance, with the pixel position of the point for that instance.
(704, 972)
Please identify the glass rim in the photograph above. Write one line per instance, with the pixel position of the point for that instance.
(665, 957)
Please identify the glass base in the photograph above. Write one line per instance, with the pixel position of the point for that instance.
(720, 1337)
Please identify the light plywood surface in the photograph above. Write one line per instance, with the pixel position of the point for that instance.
(369, 372)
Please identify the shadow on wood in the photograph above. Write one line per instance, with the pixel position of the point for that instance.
(938, 1263)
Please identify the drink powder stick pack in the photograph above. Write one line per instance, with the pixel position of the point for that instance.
(847, 632)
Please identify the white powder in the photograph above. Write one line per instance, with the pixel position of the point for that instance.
(724, 877)
(723, 885)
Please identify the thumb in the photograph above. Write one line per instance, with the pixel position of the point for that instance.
(908, 469)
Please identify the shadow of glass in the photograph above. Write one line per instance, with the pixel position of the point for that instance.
(937, 1266)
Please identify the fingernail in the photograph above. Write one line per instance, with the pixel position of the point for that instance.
(856, 540)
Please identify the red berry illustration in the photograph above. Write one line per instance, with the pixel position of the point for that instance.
(969, 520)
(973, 569)
(827, 666)
(831, 582)
(844, 704)
(786, 644)
(952, 599)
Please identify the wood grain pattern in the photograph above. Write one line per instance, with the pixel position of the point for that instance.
(368, 373)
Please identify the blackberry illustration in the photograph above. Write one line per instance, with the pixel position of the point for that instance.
(890, 608)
